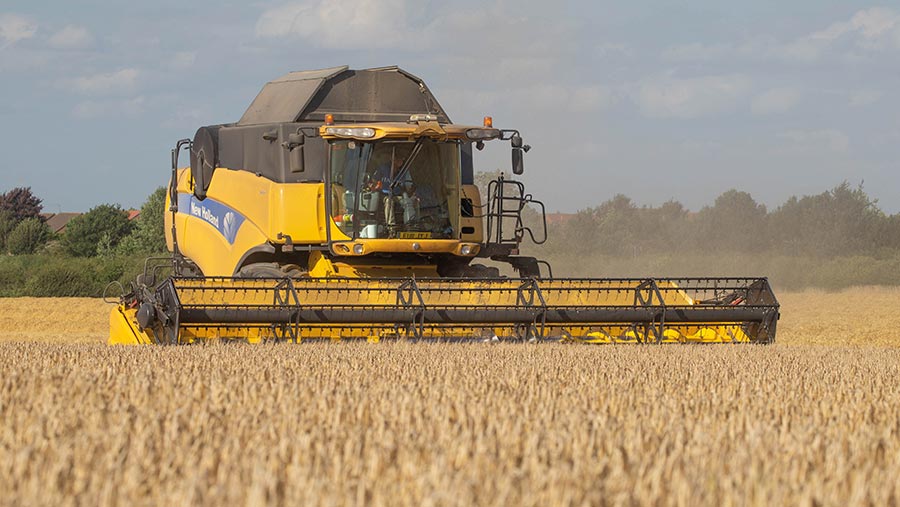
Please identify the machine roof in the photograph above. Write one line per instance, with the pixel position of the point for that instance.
(379, 94)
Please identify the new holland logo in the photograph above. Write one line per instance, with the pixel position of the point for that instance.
(229, 228)
(224, 219)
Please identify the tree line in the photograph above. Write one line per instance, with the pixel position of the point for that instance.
(104, 230)
(834, 239)
(843, 221)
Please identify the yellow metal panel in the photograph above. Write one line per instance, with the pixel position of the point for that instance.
(400, 245)
(295, 209)
(291, 209)
(472, 193)
(203, 244)
(123, 328)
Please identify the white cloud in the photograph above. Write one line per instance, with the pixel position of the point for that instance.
(90, 109)
(186, 115)
(549, 97)
(876, 23)
(556, 97)
(862, 98)
(483, 32)
(613, 49)
(71, 37)
(870, 29)
(517, 68)
(590, 98)
(776, 100)
(352, 24)
(761, 47)
(184, 59)
(696, 52)
(118, 82)
(802, 50)
(876, 28)
(818, 140)
(14, 28)
(669, 97)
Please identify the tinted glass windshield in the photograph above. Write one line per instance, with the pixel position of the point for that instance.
(396, 189)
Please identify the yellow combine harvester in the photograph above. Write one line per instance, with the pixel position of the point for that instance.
(343, 205)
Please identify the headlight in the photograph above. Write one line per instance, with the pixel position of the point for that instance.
(358, 249)
(468, 250)
(482, 134)
(414, 118)
(363, 132)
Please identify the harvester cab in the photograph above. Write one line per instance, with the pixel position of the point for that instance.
(405, 192)
(343, 205)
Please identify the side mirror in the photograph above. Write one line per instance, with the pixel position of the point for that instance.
(518, 162)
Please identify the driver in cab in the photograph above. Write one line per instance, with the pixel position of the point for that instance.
(397, 187)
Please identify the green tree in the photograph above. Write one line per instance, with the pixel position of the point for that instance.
(617, 226)
(21, 203)
(7, 224)
(664, 229)
(734, 223)
(28, 237)
(104, 225)
(148, 236)
(841, 221)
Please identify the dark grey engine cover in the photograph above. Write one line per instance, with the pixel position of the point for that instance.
(269, 138)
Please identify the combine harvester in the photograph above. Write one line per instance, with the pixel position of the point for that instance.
(342, 205)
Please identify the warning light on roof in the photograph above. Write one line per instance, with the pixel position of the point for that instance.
(488, 122)
(329, 119)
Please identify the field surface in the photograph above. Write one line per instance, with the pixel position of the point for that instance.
(812, 420)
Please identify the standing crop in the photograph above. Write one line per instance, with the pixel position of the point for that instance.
(448, 424)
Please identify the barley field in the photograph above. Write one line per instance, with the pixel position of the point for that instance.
(813, 420)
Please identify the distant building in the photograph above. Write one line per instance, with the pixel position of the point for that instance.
(58, 221)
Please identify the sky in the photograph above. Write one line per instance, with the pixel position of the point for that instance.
(669, 100)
